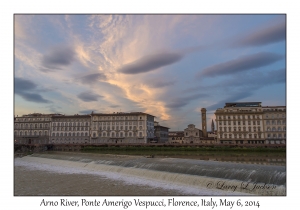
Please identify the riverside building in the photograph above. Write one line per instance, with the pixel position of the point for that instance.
(176, 137)
(70, 129)
(251, 123)
(274, 118)
(32, 128)
(161, 133)
(240, 123)
(192, 134)
(120, 127)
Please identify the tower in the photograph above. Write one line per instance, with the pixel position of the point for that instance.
(203, 114)
(212, 126)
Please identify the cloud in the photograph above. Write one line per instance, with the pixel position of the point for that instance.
(151, 63)
(253, 80)
(57, 58)
(92, 78)
(114, 106)
(25, 89)
(87, 111)
(235, 98)
(159, 83)
(88, 96)
(240, 64)
(264, 36)
(182, 101)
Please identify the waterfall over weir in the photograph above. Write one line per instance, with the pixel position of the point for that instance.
(191, 176)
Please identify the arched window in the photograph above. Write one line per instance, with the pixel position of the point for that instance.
(40, 133)
(35, 125)
(273, 129)
(16, 133)
(69, 134)
(21, 133)
(81, 134)
(35, 133)
(94, 135)
(279, 128)
(113, 135)
(25, 133)
(41, 126)
(86, 133)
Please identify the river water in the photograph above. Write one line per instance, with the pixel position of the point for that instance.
(65, 173)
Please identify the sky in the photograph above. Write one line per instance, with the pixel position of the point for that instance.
(169, 66)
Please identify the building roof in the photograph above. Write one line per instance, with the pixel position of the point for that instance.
(71, 116)
(243, 104)
(121, 114)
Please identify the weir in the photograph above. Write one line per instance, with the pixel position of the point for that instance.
(187, 173)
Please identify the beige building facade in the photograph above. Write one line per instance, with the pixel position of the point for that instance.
(176, 137)
(274, 118)
(70, 129)
(133, 127)
(192, 134)
(240, 123)
(32, 129)
(251, 123)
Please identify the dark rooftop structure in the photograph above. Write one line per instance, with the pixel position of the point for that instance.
(243, 104)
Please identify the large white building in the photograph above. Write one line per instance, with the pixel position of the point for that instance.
(70, 129)
(250, 123)
(133, 127)
(240, 123)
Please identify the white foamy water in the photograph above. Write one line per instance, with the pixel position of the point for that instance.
(183, 183)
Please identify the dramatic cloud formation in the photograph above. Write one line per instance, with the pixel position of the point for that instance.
(267, 35)
(150, 63)
(92, 78)
(244, 63)
(57, 57)
(147, 63)
(88, 96)
(26, 88)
